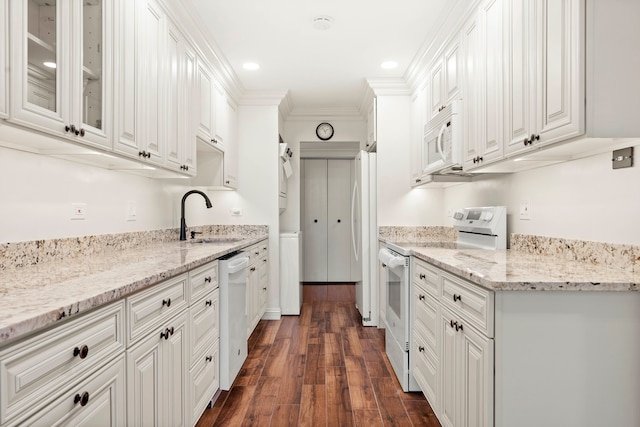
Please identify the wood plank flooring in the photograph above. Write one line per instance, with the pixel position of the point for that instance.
(322, 368)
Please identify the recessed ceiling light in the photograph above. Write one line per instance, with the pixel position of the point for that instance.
(251, 66)
(322, 22)
(49, 64)
(388, 65)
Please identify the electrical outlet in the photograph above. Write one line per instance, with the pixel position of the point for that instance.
(78, 211)
(525, 210)
(131, 210)
(449, 213)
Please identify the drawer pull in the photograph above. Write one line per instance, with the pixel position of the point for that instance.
(421, 297)
(453, 324)
(82, 352)
(167, 333)
(420, 349)
(384, 265)
(257, 252)
(207, 302)
(207, 279)
(252, 269)
(83, 399)
(166, 302)
(457, 297)
(458, 327)
(264, 289)
(422, 276)
(208, 358)
(264, 260)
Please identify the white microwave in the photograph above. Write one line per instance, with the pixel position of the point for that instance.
(442, 149)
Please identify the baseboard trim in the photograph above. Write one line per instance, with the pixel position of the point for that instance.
(272, 314)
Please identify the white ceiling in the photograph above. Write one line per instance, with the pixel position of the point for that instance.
(320, 69)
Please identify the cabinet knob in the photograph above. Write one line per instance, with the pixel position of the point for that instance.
(81, 351)
(534, 137)
(208, 358)
(252, 269)
(207, 279)
(227, 182)
(420, 349)
(339, 221)
(166, 302)
(421, 297)
(526, 141)
(82, 132)
(264, 289)
(422, 276)
(83, 399)
(207, 303)
(418, 180)
(384, 265)
(67, 128)
(315, 220)
(457, 297)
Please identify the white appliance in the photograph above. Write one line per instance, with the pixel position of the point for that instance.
(364, 236)
(232, 271)
(443, 149)
(290, 273)
(478, 228)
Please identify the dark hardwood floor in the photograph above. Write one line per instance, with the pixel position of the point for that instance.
(322, 368)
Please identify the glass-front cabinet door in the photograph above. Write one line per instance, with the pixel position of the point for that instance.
(60, 52)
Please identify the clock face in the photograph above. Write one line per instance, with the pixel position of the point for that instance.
(324, 131)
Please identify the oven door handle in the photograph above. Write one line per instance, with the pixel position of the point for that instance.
(391, 259)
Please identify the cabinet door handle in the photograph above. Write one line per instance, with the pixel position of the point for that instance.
(252, 269)
(453, 324)
(420, 349)
(534, 137)
(264, 289)
(457, 297)
(207, 302)
(207, 279)
(384, 265)
(526, 141)
(421, 297)
(82, 352)
(422, 276)
(459, 327)
(83, 399)
(208, 358)
(166, 302)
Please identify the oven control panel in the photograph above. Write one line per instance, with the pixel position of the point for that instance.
(484, 220)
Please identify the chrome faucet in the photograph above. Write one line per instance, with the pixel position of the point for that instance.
(183, 223)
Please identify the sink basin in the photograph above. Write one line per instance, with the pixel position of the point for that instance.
(218, 240)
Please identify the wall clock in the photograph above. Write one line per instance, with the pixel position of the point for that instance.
(324, 131)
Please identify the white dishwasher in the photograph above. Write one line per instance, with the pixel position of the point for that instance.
(232, 271)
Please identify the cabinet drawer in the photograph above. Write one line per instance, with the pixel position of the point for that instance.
(148, 309)
(426, 277)
(204, 328)
(203, 280)
(263, 247)
(253, 252)
(426, 318)
(472, 303)
(424, 368)
(105, 403)
(204, 380)
(33, 372)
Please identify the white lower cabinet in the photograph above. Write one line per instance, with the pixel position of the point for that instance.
(150, 359)
(452, 358)
(257, 284)
(156, 373)
(100, 400)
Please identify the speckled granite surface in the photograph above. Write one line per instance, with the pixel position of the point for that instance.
(40, 294)
(626, 257)
(418, 233)
(22, 254)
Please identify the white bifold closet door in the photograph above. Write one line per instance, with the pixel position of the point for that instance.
(326, 220)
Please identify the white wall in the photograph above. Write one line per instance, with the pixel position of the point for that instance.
(583, 199)
(295, 131)
(398, 203)
(37, 193)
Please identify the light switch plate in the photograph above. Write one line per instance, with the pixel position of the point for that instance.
(525, 210)
(622, 158)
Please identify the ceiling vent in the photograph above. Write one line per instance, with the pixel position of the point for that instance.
(322, 22)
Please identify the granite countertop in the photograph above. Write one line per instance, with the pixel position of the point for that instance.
(508, 270)
(37, 296)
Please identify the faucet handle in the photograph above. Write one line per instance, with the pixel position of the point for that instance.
(193, 234)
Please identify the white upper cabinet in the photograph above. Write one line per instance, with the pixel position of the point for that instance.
(213, 123)
(472, 107)
(4, 52)
(419, 112)
(445, 77)
(487, 77)
(372, 125)
(231, 146)
(61, 68)
(181, 134)
(140, 82)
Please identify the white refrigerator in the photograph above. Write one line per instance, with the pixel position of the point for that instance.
(364, 236)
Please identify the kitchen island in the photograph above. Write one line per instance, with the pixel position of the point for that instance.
(510, 338)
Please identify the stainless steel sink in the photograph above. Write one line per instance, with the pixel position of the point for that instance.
(216, 240)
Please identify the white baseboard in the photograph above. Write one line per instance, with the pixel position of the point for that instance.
(272, 314)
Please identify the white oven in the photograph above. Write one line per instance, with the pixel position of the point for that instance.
(398, 332)
(442, 149)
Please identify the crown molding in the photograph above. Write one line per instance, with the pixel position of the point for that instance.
(396, 86)
(272, 97)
